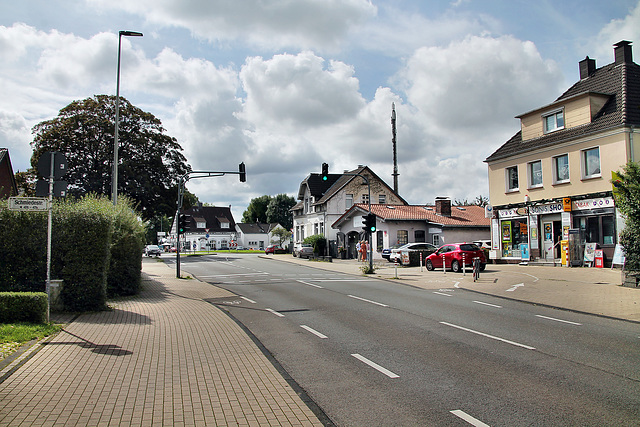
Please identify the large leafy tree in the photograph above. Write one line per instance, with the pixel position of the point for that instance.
(278, 210)
(150, 161)
(627, 199)
(257, 210)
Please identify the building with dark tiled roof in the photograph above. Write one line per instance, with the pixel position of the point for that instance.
(551, 181)
(8, 187)
(437, 224)
(321, 203)
(210, 227)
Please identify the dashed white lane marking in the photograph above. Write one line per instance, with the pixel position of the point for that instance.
(489, 336)
(248, 300)
(275, 312)
(310, 284)
(468, 418)
(314, 332)
(376, 366)
(368, 300)
(486, 303)
(442, 293)
(558, 320)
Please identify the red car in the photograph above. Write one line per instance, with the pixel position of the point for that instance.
(453, 256)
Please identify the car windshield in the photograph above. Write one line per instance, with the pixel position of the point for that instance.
(469, 247)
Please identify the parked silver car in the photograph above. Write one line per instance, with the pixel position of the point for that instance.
(303, 250)
(151, 250)
(396, 254)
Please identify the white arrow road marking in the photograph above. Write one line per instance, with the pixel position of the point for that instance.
(275, 312)
(310, 284)
(558, 320)
(468, 418)
(376, 366)
(489, 336)
(514, 287)
(313, 331)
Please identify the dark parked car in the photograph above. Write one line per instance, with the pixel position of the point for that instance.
(453, 259)
(386, 252)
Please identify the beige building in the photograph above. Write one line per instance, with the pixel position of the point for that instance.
(552, 180)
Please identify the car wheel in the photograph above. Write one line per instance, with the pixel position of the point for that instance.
(429, 265)
(455, 266)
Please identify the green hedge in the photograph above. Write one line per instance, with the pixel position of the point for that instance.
(23, 307)
(96, 250)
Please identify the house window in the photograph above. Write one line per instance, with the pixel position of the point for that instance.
(553, 121)
(403, 237)
(511, 178)
(382, 199)
(365, 199)
(315, 228)
(419, 236)
(322, 228)
(348, 201)
(201, 224)
(436, 240)
(561, 169)
(591, 162)
(223, 225)
(535, 174)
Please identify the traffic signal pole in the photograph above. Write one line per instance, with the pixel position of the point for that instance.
(181, 183)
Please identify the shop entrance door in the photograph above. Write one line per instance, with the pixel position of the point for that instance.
(547, 240)
(557, 236)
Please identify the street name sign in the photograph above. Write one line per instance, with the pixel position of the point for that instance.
(28, 204)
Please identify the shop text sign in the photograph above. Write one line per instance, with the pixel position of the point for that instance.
(546, 209)
(602, 202)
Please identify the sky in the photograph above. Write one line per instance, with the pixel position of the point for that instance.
(286, 85)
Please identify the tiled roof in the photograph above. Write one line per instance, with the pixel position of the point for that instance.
(213, 216)
(254, 228)
(461, 216)
(347, 177)
(620, 81)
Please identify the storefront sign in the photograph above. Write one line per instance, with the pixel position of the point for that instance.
(566, 204)
(546, 209)
(510, 213)
(602, 202)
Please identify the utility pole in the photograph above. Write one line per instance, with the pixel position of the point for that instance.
(395, 152)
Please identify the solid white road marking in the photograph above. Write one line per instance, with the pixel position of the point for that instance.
(310, 284)
(313, 331)
(514, 287)
(376, 366)
(486, 303)
(468, 418)
(368, 300)
(248, 300)
(531, 275)
(237, 274)
(442, 293)
(489, 336)
(558, 320)
(275, 312)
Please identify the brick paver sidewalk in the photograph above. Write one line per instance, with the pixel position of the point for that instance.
(166, 357)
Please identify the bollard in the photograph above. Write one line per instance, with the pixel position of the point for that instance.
(464, 265)
(420, 262)
(395, 269)
(444, 266)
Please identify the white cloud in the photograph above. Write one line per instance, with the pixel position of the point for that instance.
(271, 23)
(627, 28)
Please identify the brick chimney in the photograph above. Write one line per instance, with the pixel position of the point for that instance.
(587, 66)
(622, 52)
(443, 206)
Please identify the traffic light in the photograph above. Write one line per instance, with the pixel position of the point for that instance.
(325, 171)
(371, 222)
(365, 222)
(243, 172)
(184, 223)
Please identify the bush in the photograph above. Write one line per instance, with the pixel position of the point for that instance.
(125, 266)
(319, 243)
(23, 307)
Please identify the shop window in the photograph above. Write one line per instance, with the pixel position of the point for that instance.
(419, 236)
(561, 169)
(599, 229)
(590, 163)
(534, 173)
(403, 237)
(514, 233)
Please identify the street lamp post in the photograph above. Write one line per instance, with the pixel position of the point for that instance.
(114, 182)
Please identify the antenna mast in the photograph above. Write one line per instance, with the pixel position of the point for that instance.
(395, 153)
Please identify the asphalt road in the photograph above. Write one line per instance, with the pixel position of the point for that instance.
(373, 352)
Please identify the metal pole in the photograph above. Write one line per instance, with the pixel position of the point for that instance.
(114, 178)
(49, 227)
